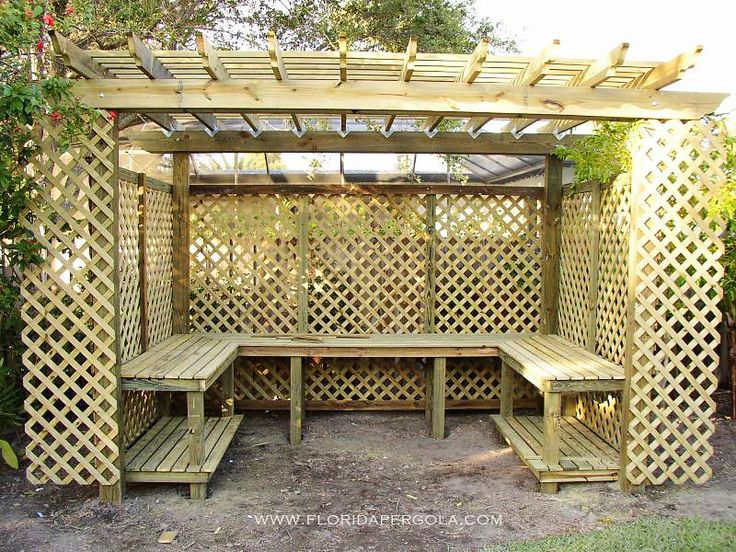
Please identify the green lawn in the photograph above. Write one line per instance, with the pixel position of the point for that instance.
(646, 535)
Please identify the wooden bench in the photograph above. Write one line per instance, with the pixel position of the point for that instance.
(556, 448)
(183, 449)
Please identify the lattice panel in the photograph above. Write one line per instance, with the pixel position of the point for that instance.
(575, 254)
(677, 169)
(262, 379)
(140, 411)
(130, 306)
(488, 276)
(601, 412)
(69, 313)
(244, 273)
(364, 379)
(613, 270)
(479, 379)
(367, 264)
(159, 264)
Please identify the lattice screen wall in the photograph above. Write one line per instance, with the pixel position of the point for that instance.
(140, 407)
(677, 169)
(367, 266)
(575, 264)
(69, 313)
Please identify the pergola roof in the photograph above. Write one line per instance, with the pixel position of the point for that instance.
(196, 94)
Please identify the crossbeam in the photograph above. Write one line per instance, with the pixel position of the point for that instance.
(407, 98)
(355, 142)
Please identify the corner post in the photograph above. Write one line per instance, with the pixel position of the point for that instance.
(551, 242)
(595, 241)
(180, 207)
(296, 401)
(114, 493)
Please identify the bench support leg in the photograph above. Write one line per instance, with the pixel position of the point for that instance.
(195, 422)
(507, 390)
(551, 445)
(428, 376)
(228, 391)
(549, 488)
(438, 398)
(297, 401)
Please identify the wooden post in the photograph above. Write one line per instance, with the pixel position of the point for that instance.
(507, 390)
(114, 493)
(595, 235)
(180, 205)
(551, 243)
(551, 445)
(429, 302)
(195, 422)
(142, 273)
(303, 250)
(296, 401)
(438, 398)
(227, 380)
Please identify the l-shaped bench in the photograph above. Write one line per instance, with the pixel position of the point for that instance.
(188, 450)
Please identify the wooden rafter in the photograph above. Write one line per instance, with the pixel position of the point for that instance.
(82, 63)
(531, 75)
(407, 70)
(343, 47)
(595, 74)
(668, 72)
(152, 67)
(216, 70)
(280, 74)
(415, 99)
(470, 72)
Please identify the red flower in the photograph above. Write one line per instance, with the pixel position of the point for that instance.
(55, 117)
(40, 46)
(48, 19)
(69, 10)
(112, 115)
(29, 14)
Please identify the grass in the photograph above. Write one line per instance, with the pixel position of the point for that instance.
(646, 535)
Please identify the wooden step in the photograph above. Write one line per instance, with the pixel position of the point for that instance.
(584, 456)
(162, 453)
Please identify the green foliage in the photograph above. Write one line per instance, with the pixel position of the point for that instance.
(602, 155)
(651, 535)
(441, 25)
(724, 206)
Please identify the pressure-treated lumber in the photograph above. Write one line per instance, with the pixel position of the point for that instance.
(399, 98)
(151, 66)
(407, 70)
(551, 242)
(439, 375)
(195, 424)
(355, 142)
(507, 390)
(296, 396)
(595, 239)
(180, 208)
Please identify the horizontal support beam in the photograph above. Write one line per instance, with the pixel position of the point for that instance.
(398, 98)
(369, 189)
(227, 177)
(355, 142)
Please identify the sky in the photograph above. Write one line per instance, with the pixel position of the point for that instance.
(656, 30)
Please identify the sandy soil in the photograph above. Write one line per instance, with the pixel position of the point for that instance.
(378, 464)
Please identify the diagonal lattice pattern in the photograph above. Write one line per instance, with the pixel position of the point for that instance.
(677, 170)
(488, 276)
(243, 275)
(367, 264)
(575, 255)
(159, 264)
(69, 313)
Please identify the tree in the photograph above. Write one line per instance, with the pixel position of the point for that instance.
(441, 25)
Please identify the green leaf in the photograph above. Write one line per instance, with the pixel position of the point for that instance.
(8, 454)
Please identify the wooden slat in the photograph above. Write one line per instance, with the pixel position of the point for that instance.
(668, 72)
(407, 70)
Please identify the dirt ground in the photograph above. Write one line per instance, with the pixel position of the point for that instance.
(462, 493)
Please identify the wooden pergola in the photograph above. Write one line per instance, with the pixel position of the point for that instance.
(603, 298)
